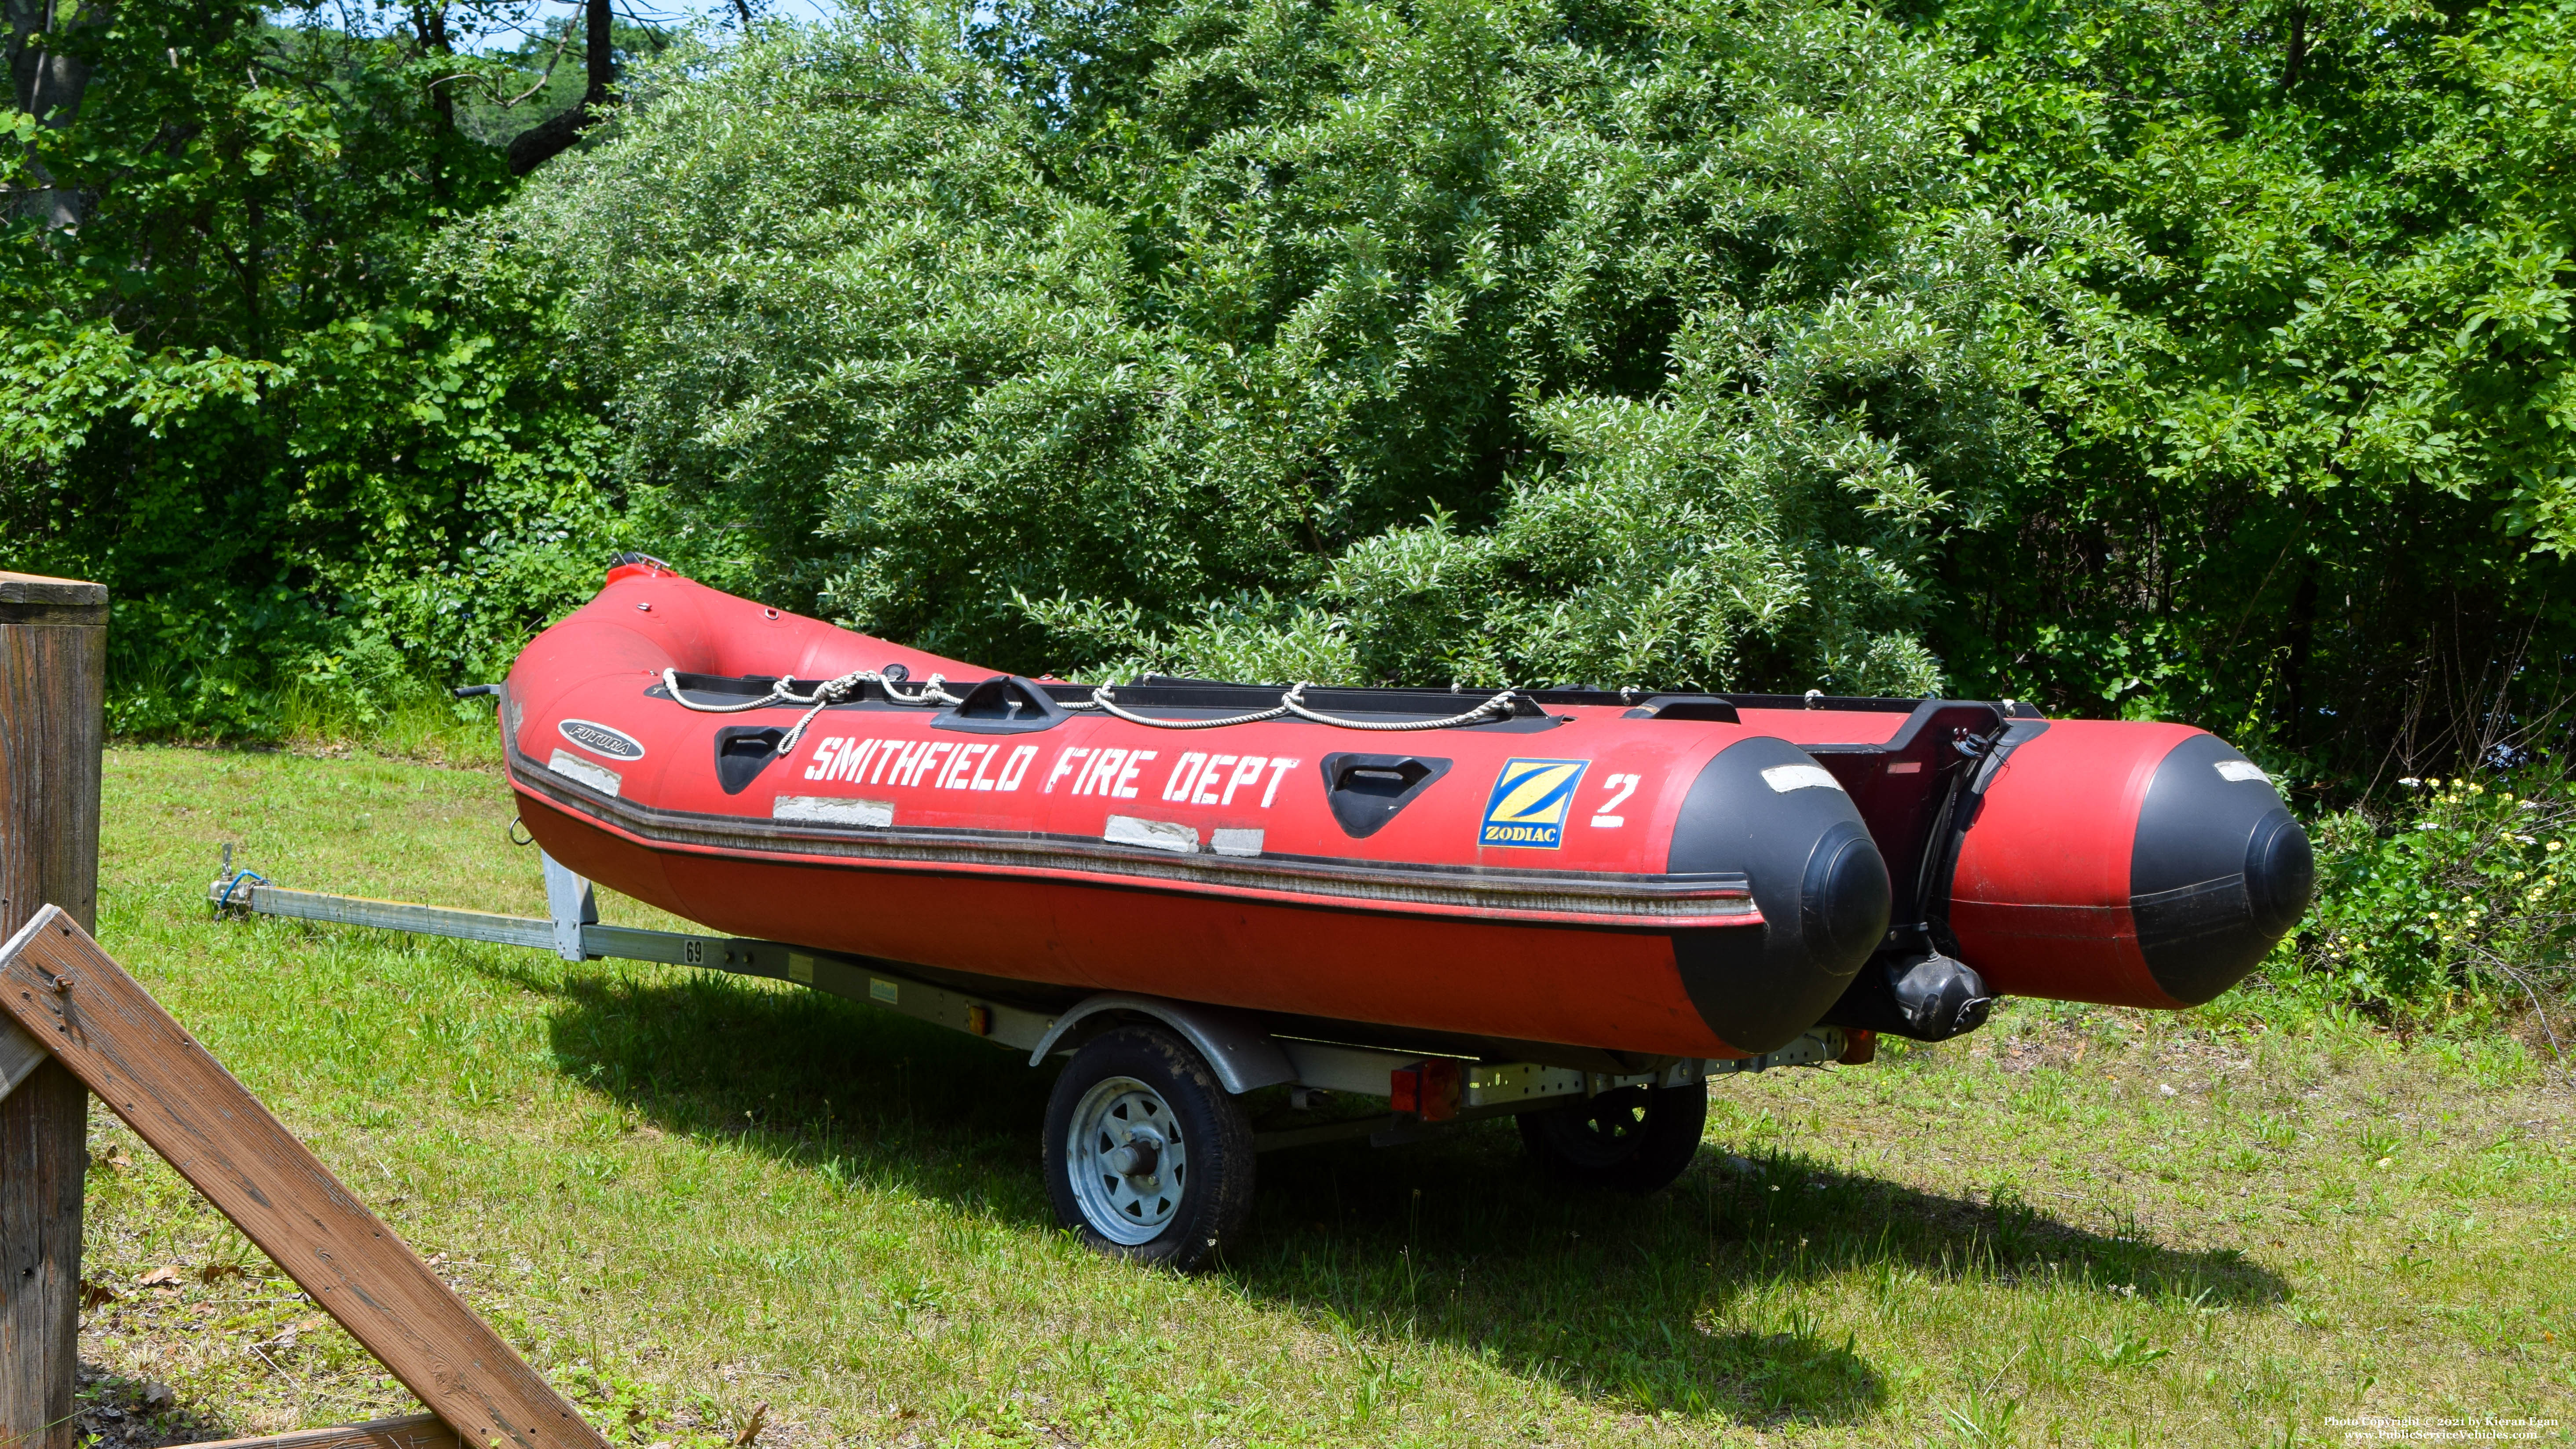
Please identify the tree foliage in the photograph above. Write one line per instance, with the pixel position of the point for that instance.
(1457, 342)
(2147, 357)
(2323, 482)
(2175, 359)
(224, 392)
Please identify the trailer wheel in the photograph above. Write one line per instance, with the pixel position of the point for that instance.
(1147, 1156)
(1633, 1139)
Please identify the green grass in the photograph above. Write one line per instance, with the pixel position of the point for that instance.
(685, 1196)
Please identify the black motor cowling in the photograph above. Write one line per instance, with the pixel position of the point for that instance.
(1929, 997)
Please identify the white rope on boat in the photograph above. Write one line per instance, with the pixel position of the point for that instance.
(835, 691)
(1498, 707)
(1101, 700)
(829, 692)
(1294, 702)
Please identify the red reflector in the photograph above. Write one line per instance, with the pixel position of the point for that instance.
(1859, 1047)
(1428, 1089)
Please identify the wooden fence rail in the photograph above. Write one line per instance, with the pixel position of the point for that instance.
(101, 1024)
(412, 1431)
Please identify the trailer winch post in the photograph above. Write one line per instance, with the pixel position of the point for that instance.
(53, 681)
(572, 904)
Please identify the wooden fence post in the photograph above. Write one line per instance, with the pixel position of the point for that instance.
(53, 680)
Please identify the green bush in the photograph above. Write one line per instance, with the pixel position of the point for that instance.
(2147, 358)
(2460, 898)
(1455, 343)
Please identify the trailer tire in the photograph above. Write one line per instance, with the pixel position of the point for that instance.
(1148, 1157)
(1630, 1139)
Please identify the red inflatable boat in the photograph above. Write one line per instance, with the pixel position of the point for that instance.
(1567, 905)
(1655, 875)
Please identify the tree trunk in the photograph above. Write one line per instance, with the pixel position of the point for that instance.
(47, 83)
(555, 135)
(429, 23)
(2302, 640)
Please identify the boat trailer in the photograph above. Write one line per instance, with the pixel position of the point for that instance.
(1427, 1095)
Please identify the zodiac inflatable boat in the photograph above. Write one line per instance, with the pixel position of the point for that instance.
(1570, 906)
(1577, 875)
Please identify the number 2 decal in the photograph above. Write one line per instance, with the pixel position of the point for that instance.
(1620, 787)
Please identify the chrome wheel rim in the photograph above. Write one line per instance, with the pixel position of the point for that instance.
(1128, 1163)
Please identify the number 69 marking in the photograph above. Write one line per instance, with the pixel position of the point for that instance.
(1620, 788)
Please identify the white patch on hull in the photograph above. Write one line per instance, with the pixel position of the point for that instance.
(1152, 834)
(832, 810)
(574, 767)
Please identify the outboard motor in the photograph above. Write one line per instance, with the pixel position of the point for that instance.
(1929, 998)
